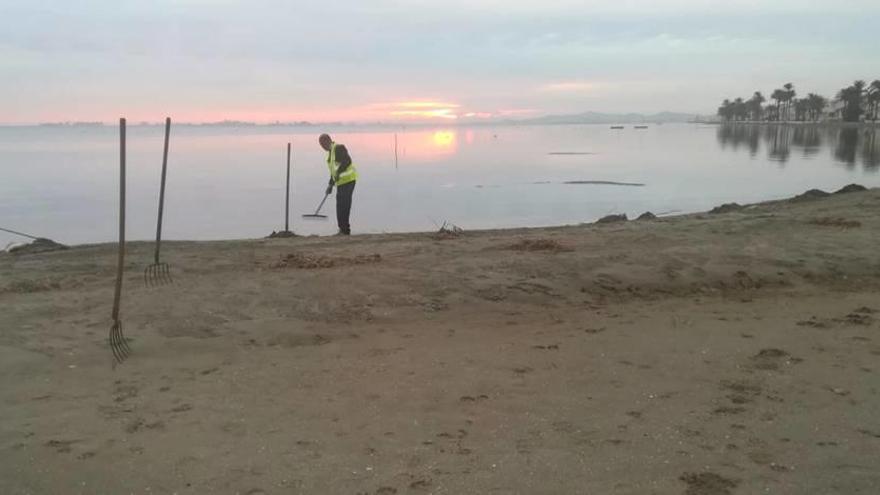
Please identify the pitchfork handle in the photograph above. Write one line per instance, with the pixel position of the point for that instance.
(121, 259)
(162, 188)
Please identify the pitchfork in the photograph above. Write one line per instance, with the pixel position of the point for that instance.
(160, 273)
(117, 340)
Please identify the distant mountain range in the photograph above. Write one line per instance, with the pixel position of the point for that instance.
(611, 118)
(577, 118)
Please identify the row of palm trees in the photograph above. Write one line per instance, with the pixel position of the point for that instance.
(858, 99)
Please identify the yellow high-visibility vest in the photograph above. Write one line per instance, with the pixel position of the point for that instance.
(347, 175)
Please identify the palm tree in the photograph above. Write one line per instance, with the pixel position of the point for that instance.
(801, 108)
(740, 109)
(844, 97)
(815, 105)
(789, 97)
(874, 98)
(755, 103)
(778, 95)
(725, 111)
(851, 97)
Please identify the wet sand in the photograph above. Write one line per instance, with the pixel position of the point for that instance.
(702, 354)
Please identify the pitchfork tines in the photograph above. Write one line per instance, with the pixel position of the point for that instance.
(117, 342)
(157, 274)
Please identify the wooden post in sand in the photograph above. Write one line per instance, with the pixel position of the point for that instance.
(120, 258)
(117, 339)
(162, 188)
(287, 194)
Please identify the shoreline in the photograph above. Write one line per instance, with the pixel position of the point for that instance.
(421, 234)
(866, 125)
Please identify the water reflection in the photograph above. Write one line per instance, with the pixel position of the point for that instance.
(850, 146)
(60, 182)
(870, 151)
(444, 139)
(737, 136)
(807, 138)
(845, 148)
(779, 140)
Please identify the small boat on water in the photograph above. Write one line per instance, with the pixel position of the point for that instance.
(641, 127)
(617, 127)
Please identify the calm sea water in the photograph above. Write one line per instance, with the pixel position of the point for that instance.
(224, 182)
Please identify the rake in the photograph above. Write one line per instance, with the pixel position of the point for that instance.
(160, 273)
(317, 214)
(118, 345)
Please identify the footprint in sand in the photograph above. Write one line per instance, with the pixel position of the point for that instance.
(869, 433)
(423, 484)
(708, 483)
(728, 410)
(772, 359)
(124, 391)
(468, 398)
(138, 424)
(739, 392)
(61, 446)
(551, 347)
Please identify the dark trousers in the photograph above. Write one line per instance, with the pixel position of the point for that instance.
(343, 206)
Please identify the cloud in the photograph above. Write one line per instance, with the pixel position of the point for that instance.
(425, 104)
(418, 109)
(293, 59)
(442, 113)
(579, 87)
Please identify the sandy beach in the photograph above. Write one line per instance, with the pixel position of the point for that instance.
(722, 353)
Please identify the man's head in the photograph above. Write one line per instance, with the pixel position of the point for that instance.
(325, 141)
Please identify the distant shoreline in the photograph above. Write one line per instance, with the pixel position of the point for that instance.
(806, 124)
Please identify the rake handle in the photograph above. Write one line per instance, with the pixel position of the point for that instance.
(322, 204)
(19, 233)
(162, 188)
(121, 257)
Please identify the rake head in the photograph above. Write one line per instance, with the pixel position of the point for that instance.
(117, 342)
(157, 274)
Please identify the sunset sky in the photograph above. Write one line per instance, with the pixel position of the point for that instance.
(444, 60)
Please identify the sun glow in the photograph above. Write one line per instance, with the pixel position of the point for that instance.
(443, 139)
(426, 104)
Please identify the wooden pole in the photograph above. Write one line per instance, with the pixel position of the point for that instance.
(120, 263)
(162, 188)
(19, 233)
(287, 194)
(395, 151)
